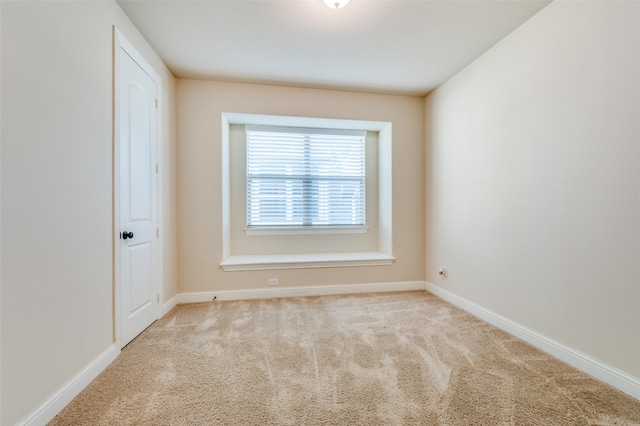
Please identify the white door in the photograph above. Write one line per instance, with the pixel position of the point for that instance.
(137, 114)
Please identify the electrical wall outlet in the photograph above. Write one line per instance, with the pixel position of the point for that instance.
(273, 281)
(442, 271)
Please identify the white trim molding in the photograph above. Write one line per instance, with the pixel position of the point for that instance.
(306, 230)
(583, 362)
(63, 396)
(272, 293)
(169, 305)
(303, 261)
(610, 375)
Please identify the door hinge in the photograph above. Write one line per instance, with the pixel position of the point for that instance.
(156, 104)
(157, 232)
(158, 297)
(157, 169)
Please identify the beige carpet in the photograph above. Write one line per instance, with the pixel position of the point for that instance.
(404, 358)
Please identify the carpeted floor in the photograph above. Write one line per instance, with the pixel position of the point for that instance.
(404, 358)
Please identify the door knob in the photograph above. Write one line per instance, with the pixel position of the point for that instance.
(126, 235)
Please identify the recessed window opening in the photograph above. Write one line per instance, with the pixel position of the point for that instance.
(305, 177)
(307, 230)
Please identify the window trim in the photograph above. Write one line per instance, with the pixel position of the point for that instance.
(306, 230)
(384, 254)
(305, 261)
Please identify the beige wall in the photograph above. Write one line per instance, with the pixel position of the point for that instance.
(532, 173)
(57, 236)
(533, 170)
(199, 108)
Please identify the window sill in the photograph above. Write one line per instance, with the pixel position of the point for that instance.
(301, 230)
(305, 261)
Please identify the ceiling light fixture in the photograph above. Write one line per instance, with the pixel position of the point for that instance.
(336, 4)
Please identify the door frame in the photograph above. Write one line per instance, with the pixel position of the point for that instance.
(120, 43)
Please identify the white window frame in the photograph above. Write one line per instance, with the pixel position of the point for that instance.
(384, 254)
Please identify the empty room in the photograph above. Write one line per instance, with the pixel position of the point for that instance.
(301, 212)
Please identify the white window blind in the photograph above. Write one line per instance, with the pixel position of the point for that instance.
(305, 177)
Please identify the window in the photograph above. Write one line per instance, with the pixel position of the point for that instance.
(301, 177)
(356, 230)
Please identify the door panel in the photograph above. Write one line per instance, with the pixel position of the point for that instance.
(141, 294)
(140, 154)
(138, 199)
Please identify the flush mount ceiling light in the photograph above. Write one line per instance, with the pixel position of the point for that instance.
(336, 4)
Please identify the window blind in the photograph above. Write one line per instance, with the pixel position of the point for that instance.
(305, 177)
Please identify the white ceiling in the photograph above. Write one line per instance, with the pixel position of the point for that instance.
(388, 46)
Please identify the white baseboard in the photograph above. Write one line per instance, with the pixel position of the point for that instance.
(277, 292)
(46, 411)
(610, 375)
(56, 402)
(168, 305)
